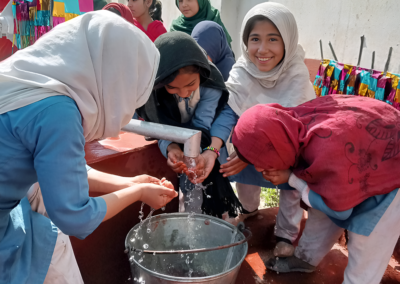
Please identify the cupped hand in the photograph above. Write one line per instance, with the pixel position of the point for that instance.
(196, 172)
(209, 162)
(145, 179)
(157, 196)
(175, 161)
(233, 166)
(277, 177)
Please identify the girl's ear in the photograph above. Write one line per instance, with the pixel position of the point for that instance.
(148, 3)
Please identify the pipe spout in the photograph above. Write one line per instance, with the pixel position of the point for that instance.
(190, 138)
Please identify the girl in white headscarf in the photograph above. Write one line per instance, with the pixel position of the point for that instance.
(271, 69)
(72, 86)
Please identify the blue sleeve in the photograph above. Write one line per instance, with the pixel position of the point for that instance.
(163, 145)
(55, 139)
(206, 108)
(222, 126)
(317, 202)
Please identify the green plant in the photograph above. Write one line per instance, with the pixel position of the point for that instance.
(270, 197)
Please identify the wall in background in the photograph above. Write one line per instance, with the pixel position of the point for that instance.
(342, 22)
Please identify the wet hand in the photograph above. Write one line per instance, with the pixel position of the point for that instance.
(277, 176)
(233, 166)
(175, 159)
(195, 173)
(157, 196)
(209, 160)
(145, 179)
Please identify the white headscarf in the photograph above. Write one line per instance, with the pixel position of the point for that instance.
(287, 84)
(104, 63)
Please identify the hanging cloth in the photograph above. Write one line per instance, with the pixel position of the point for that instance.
(78, 59)
(344, 147)
(206, 13)
(65, 10)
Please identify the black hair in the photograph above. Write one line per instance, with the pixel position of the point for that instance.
(250, 26)
(190, 69)
(155, 10)
(114, 11)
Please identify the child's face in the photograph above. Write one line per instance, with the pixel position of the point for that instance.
(139, 7)
(265, 46)
(184, 85)
(189, 8)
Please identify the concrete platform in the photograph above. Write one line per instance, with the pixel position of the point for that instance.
(330, 271)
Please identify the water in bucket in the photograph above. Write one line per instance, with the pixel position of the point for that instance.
(173, 232)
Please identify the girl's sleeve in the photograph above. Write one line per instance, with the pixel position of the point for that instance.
(313, 199)
(206, 108)
(55, 139)
(222, 126)
(163, 145)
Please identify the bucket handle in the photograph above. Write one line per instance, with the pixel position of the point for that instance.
(241, 228)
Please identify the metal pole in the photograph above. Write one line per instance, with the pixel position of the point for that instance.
(372, 63)
(190, 138)
(360, 53)
(333, 52)
(322, 53)
(388, 61)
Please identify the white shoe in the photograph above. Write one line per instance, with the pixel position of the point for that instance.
(240, 218)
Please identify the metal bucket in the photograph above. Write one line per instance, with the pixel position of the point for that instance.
(179, 231)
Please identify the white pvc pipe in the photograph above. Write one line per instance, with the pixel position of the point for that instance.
(190, 138)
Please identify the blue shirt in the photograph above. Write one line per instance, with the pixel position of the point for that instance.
(226, 121)
(361, 219)
(42, 142)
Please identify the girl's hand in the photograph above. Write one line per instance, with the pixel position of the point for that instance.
(145, 179)
(175, 159)
(194, 174)
(277, 176)
(233, 166)
(156, 196)
(209, 162)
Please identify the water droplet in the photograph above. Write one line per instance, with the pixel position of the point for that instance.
(208, 196)
(133, 240)
(154, 253)
(163, 208)
(187, 261)
(207, 221)
(182, 255)
(140, 260)
(145, 246)
(148, 230)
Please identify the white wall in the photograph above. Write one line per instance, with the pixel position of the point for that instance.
(342, 22)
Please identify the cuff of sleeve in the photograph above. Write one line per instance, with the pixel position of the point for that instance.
(297, 183)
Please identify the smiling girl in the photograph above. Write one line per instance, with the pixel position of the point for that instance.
(270, 70)
(194, 12)
(147, 17)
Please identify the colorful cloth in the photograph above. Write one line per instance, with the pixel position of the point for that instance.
(206, 13)
(65, 10)
(344, 147)
(154, 30)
